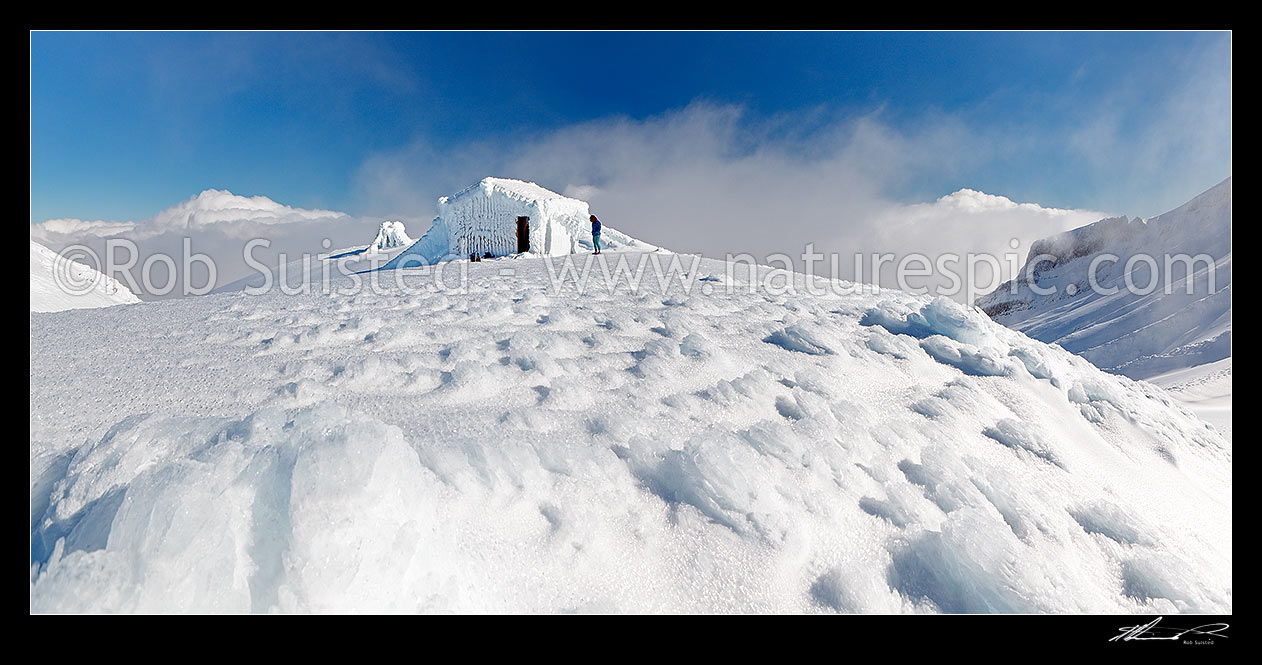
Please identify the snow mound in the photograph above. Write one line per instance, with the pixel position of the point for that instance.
(391, 235)
(482, 219)
(1127, 330)
(60, 283)
(521, 446)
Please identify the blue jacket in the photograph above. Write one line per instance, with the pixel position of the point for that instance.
(596, 228)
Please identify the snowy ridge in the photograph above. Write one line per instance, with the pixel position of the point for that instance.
(48, 295)
(522, 447)
(1139, 335)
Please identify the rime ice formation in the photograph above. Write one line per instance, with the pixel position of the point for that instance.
(50, 294)
(483, 219)
(391, 235)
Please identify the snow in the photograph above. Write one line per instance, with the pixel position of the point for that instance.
(61, 284)
(684, 446)
(392, 234)
(482, 219)
(1158, 336)
(1204, 389)
(1128, 332)
(391, 240)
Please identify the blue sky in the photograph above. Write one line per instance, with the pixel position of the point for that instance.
(126, 124)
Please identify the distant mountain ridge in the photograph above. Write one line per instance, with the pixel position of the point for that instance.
(1128, 330)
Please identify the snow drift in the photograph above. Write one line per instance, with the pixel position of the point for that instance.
(683, 446)
(60, 283)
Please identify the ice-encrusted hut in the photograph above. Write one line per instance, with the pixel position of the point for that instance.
(499, 216)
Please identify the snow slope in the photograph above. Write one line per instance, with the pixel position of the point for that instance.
(61, 284)
(1136, 334)
(1179, 340)
(682, 446)
(1204, 389)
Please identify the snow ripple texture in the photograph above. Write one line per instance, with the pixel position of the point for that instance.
(520, 449)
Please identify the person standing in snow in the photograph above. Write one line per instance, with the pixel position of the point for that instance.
(596, 234)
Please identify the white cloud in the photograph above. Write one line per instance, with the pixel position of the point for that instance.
(212, 206)
(701, 179)
(215, 206)
(704, 179)
(968, 221)
(77, 227)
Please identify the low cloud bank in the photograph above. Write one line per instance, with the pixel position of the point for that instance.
(708, 179)
(703, 179)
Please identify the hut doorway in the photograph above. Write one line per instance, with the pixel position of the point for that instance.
(523, 234)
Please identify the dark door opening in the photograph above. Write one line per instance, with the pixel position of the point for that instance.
(523, 234)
